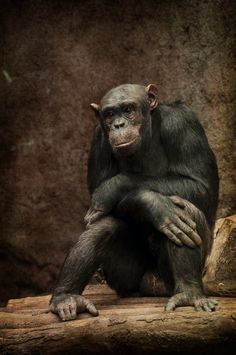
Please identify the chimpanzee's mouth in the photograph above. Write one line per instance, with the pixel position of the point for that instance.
(126, 144)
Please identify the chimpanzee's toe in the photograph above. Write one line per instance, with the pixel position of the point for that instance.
(205, 304)
(199, 301)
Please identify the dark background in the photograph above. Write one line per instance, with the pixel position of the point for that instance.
(58, 56)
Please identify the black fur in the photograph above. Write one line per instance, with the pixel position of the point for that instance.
(135, 225)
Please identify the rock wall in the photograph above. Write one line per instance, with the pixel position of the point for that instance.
(57, 57)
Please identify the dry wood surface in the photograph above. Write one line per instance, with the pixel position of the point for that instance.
(134, 325)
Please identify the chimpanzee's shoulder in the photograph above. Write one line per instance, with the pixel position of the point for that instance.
(176, 113)
(179, 122)
(176, 107)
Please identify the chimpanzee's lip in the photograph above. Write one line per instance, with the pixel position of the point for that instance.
(126, 144)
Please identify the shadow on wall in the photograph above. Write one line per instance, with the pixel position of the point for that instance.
(57, 57)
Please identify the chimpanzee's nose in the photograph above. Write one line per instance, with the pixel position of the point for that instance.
(119, 124)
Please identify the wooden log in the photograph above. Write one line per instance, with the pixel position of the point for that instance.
(221, 264)
(137, 325)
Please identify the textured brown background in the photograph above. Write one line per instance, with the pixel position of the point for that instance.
(57, 57)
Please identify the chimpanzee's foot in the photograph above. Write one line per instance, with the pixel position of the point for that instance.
(190, 298)
(67, 306)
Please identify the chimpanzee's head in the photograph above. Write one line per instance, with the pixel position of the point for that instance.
(125, 116)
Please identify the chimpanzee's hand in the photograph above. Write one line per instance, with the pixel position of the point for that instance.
(67, 306)
(169, 216)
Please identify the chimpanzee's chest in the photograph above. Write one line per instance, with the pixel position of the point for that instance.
(156, 164)
(153, 163)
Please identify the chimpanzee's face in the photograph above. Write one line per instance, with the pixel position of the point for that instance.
(122, 117)
(125, 117)
(122, 123)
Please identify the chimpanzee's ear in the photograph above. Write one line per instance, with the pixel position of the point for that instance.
(95, 108)
(152, 95)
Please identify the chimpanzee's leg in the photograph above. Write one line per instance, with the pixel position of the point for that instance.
(186, 266)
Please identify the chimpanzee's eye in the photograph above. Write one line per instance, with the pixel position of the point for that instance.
(128, 109)
(108, 114)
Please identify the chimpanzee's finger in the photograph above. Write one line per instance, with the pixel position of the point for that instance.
(175, 301)
(193, 235)
(87, 216)
(61, 313)
(214, 302)
(182, 236)
(197, 308)
(66, 310)
(170, 306)
(204, 304)
(185, 218)
(73, 309)
(177, 201)
(206, 307)
(96, 216)
(171, 236)
(93, 216)
(91, 308)
(72, 305)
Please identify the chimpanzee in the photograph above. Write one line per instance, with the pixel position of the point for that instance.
(154, 189)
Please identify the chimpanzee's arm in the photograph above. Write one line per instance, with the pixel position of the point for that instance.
(193, 171)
